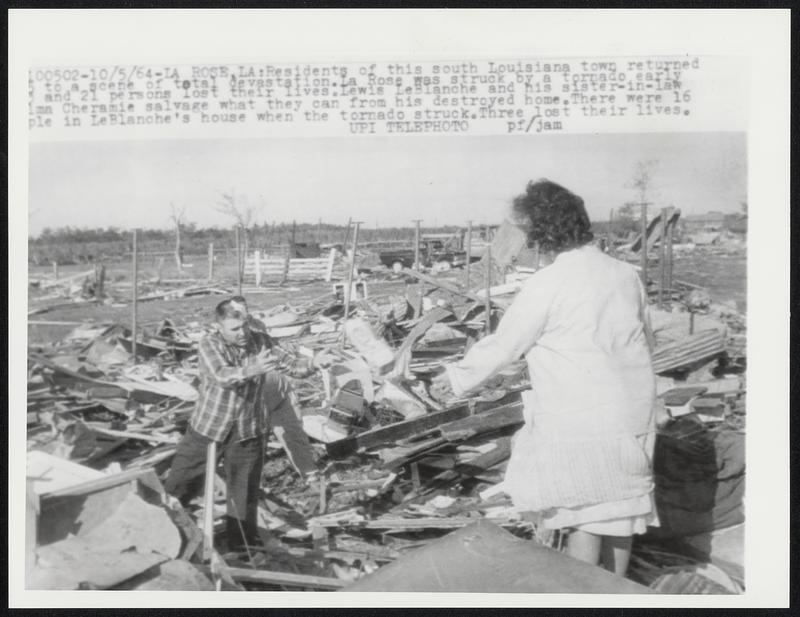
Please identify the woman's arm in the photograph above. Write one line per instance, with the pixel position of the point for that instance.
(519, 329)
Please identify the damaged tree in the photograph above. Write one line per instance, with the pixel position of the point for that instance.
(236, 207)
(177, 217)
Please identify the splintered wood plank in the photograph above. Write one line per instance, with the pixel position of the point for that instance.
(493, 419)
(396, 431)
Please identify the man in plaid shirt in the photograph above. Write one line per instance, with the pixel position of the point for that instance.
(242, 395)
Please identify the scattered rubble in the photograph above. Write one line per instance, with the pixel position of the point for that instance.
(401, 469)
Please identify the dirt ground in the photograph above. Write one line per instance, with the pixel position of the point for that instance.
(723, 274)
(118, 309)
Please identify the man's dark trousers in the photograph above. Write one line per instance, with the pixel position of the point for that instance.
(243, 461)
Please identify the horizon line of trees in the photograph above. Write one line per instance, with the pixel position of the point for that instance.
(303, 232)
(70, 245)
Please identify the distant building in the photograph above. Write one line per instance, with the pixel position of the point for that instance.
(710, 221)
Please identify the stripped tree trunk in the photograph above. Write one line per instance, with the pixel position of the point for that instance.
(178, 248)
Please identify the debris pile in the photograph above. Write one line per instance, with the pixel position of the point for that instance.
(401, 465)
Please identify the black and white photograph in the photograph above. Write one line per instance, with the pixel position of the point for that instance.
(473, 326)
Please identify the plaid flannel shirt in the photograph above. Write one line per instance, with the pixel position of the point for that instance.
(228, 395)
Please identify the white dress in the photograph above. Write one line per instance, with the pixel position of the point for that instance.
(584, 455)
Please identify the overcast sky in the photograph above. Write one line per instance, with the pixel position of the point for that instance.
(381, 181)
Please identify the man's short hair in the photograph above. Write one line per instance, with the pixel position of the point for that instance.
(232, 308)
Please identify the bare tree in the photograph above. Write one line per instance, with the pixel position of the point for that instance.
(642, 180)
(177, 216)
(238, 208)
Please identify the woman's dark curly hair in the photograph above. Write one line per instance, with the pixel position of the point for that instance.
(552, 216)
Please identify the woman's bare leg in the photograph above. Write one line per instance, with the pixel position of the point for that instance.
(584, 546)
(616, 553)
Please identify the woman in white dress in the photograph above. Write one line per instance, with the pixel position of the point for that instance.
(582, 462)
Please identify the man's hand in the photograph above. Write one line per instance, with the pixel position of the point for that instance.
(259, 364)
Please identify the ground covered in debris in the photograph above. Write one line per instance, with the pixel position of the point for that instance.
(401, 466)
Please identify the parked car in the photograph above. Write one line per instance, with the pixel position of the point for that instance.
(433, 253)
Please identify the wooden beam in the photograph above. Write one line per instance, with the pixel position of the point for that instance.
(208, 500)
(398, 430)
(444, 285)
(101, 483)
(490, 420)
(418, 426)
(287, 579)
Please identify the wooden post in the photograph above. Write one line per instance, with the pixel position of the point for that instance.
(286, 263)
(331, 263)
(100, 281)
(416, 245)
(55, 270)
(352, 267)
(469, 254)
(238, 262)
(488, 300)
(662, 257)
(135, 292)
(208, 501)
(643, 247)
(160, 269)
(670, 255)
(210, 261)
(257, 258)
(347, 234)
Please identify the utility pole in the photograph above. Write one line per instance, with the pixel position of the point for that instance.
(135, 291)
(469, 253)
(347, 234)
(644, 205)
(416, 244)
(670, 232)
(238, 261)
(662, 257)
(348, 289)
(488, 304)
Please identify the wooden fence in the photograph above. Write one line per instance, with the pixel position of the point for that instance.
(260, 268)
